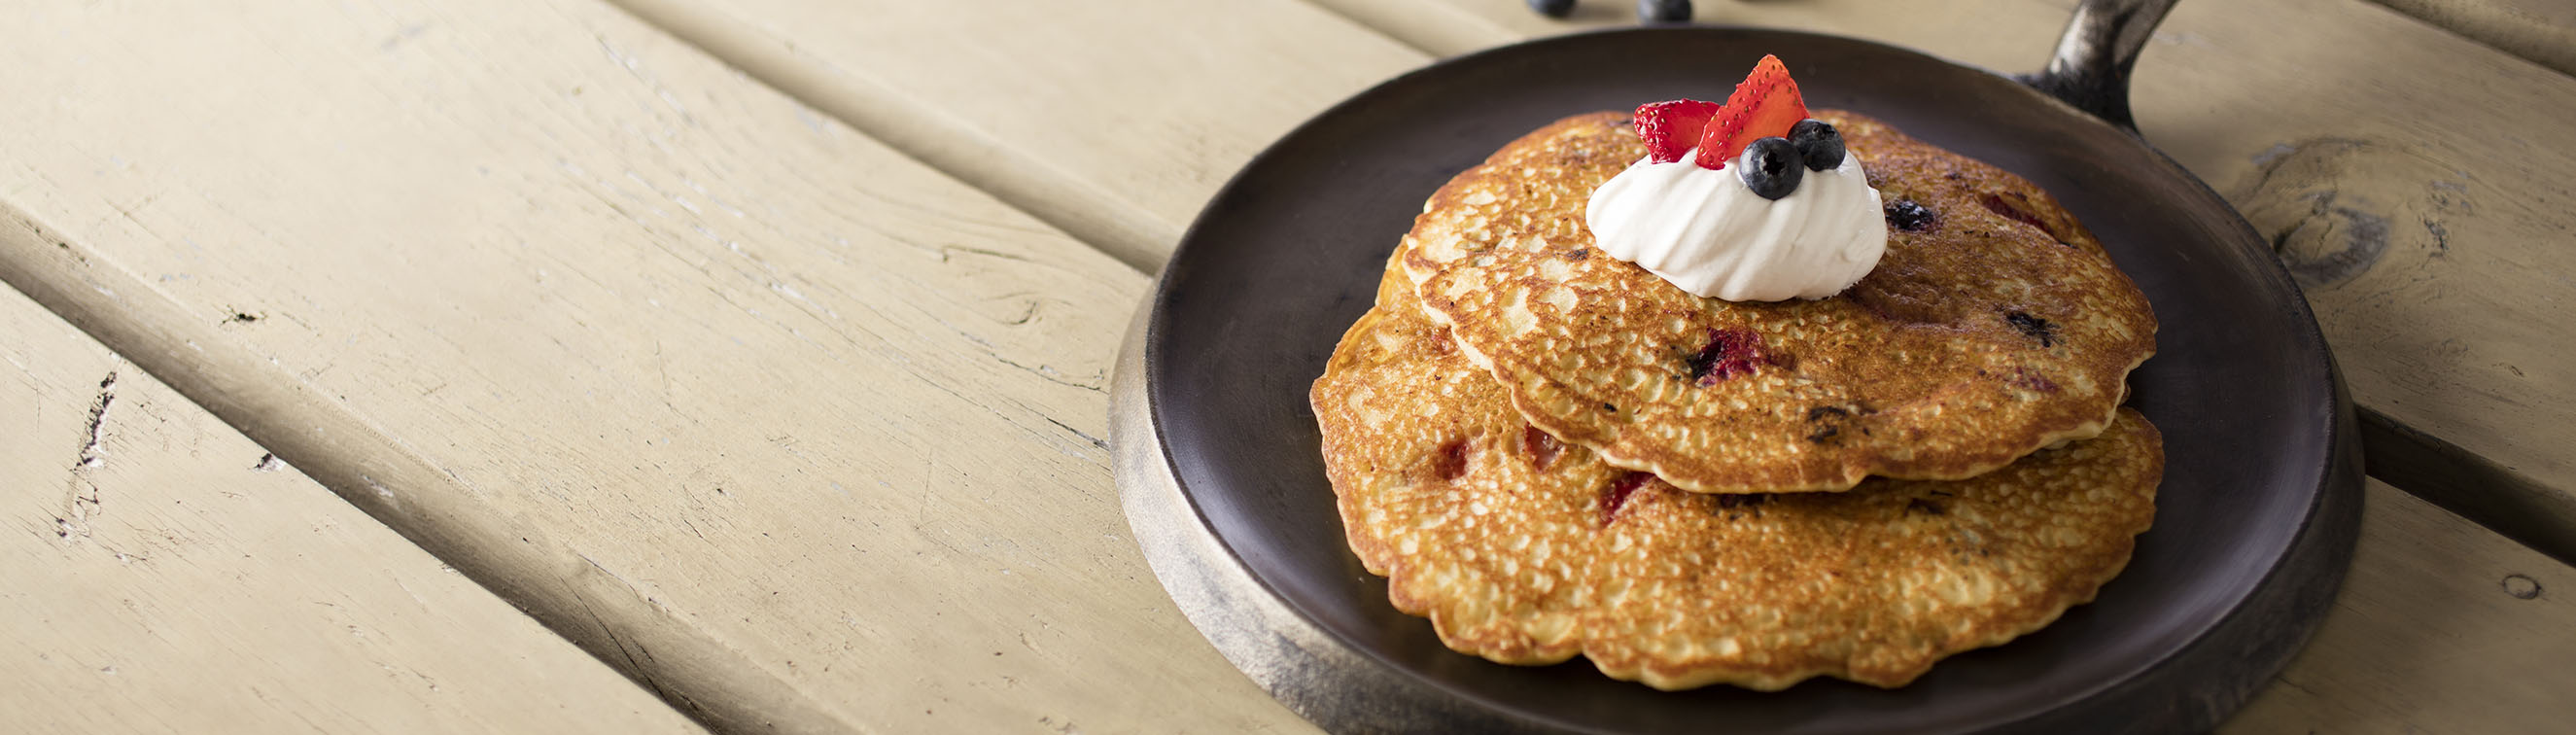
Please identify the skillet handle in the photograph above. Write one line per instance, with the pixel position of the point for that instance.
(2090, 68)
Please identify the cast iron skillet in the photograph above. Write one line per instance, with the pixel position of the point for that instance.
(1223, 483)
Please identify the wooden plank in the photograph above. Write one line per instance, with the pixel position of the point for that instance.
(1112, 121)
(158, 574)
(2423, 213)
(789, 427)
(2543, 31)
(2442, 627)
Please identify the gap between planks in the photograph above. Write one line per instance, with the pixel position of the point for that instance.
(2541, 31)
(947, 302)
(921, 132)
(558, 586)
(177, 580)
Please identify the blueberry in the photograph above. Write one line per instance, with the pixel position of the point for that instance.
(1552, 8)
(2034, 327)
(1742, 500)
(1819, 144)
(1770, 167)
(1664, 11)
(1904, 214)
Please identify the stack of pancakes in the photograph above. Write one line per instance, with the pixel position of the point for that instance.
(1548, 451)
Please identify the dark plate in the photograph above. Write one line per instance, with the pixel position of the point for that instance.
(2254, 521)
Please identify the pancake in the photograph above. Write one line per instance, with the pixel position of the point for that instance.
(1523, 550)
(1995, 325)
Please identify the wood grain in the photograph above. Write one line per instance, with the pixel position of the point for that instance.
(797, 432)
(1111, 121)
(2442, 627)
(2543, 31)
(158, 574)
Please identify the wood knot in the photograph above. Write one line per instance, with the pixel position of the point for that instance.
(2333, 208)
(2521, 587)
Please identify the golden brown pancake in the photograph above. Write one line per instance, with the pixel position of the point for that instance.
(1996, 326)
(1526, 551)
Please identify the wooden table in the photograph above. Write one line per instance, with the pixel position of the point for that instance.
(757, 349)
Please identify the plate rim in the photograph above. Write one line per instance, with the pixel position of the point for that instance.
(2330, 520)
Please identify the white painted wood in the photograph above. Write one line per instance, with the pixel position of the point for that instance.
(2442, 627)
(2543, 31)
(796, 430)
(159, 574)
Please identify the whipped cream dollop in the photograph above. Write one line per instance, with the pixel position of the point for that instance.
(1704, 231)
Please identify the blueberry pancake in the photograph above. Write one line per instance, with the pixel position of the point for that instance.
(1525, 550)
(1993, 325)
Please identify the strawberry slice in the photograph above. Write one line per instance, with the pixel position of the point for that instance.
(1764, 105)
(1671, 127)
